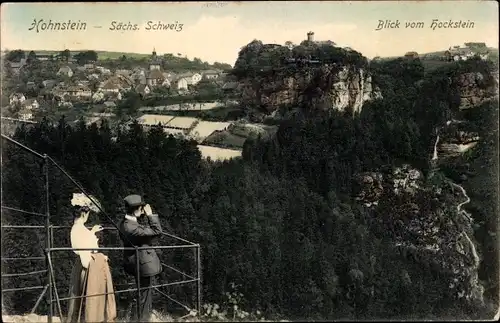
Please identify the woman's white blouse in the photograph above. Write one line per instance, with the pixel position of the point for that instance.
(81, 237)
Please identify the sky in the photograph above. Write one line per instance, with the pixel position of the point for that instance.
(216, 31)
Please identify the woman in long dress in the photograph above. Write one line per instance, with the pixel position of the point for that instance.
(81, 237)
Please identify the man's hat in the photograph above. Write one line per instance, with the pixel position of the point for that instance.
(134, 200)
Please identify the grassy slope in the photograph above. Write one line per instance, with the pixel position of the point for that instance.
(101, 54)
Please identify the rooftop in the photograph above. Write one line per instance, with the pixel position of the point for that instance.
(155, 74)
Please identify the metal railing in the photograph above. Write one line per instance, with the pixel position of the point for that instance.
(50, 287)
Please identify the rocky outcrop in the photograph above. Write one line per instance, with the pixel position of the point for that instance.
(456, 139)
(344, 88)
(370, 186)
(422, 224)
(475, 88)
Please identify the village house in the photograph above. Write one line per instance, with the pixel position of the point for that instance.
(103, 70)
(138, 70)
(138, 76)
(48, 84)
(126, 73)
(65, 71)
(89, 66)
(25, 115)
(43, 57)
(141, 80)
(125, 82)
(143, 89)
(65, 103)
(30, 104)
(30, 85)
(118, 83)
(98, 96)
(170, 78)
(67, 93)
(109, 105)
(181, 84)
(411, 55)
(16, 98)
(457, 53)
(170, 75)
(79, 91)
(112, 96)
(110, 86)
(166, 83)
(191, 78)
(93, 76)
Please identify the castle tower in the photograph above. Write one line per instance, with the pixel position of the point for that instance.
(310, 36)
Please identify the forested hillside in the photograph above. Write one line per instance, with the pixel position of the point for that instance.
(285, 224)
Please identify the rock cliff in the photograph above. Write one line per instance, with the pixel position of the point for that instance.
(343, 88)
(475, 88)
(275, 80)
(427, 224)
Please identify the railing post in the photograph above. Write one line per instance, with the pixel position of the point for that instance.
(138, 285)
(198, 276)
(48, 238)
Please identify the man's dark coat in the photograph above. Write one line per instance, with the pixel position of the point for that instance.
(141, 235)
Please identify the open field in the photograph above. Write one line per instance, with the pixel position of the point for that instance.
(433, 64)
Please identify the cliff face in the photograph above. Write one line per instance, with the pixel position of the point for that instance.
(475, 88)
(343, 88)
(429, 221)
(427, 224)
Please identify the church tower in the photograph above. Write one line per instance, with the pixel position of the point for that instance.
(154, 63)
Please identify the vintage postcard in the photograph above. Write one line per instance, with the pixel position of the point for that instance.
(249, 161)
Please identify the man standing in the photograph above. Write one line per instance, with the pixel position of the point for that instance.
(133, 233)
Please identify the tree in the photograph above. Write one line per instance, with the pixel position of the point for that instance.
(130, 104)
(15, 55)
(94, 86)
(86, 57)
(289, 44)
(31, 57)
(65, 54)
